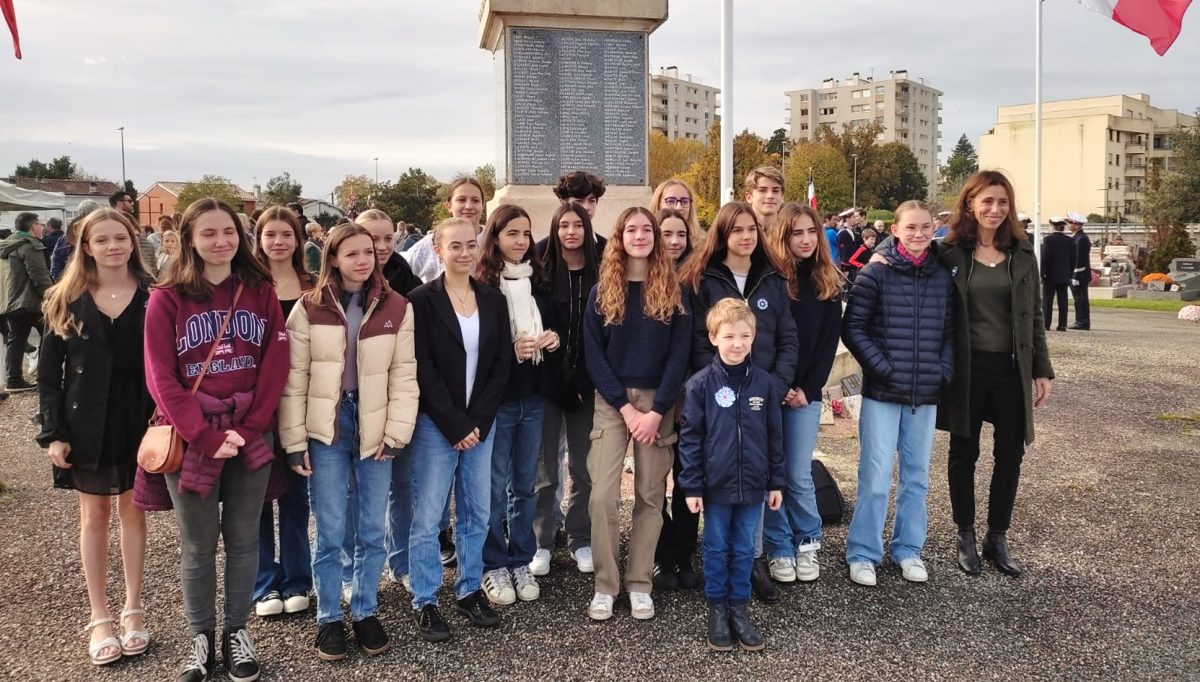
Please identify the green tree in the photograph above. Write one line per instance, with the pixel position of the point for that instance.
(282, 190)
(215, 186)
(962, 164)
(356, 190)
(671, 158)
(830, 175)
(413, 198)
(1167, 244)
(1173, 196)
(486, 175)
(894, 177)
(749, 152)
(133, 193)
(778, 142)
(61, 168)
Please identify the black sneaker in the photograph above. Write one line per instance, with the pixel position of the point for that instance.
(370, 636)
(20, 386)
(241, 661)
(665, 577)
(201, 660)
(430, 625)
(331, 641)
(446, 543)
(475, 607)
(761, 584)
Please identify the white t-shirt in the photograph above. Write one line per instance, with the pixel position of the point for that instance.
(740, 280)
(470, 334)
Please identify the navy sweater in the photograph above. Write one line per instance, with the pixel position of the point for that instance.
(638, 353)
(818, 325)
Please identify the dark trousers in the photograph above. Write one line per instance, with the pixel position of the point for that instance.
(677, 540)
(1050, 292)
(1083, 313)
(996, 397)
(20, 323)
(292, 573)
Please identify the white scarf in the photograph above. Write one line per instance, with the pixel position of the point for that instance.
(524, 319)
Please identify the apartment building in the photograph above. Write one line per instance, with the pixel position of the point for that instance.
(1095, 152)
(680, 105)
(909, 110)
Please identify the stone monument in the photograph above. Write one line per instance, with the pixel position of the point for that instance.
(572, 93)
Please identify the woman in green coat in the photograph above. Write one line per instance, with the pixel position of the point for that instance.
(1002, 366)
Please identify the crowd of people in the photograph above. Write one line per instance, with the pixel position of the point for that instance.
(420, 403)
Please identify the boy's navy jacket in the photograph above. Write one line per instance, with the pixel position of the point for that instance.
(731, 436)
(899, 325)
(775, 344)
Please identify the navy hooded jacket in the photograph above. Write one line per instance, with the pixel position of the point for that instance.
(731, 436)
(899, 325)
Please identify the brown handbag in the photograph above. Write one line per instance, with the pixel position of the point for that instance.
(161, 450)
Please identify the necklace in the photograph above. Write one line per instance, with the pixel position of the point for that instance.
(462, 300)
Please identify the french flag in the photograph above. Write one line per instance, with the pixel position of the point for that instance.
(812, 192)
(10, 16)
(1158, 20)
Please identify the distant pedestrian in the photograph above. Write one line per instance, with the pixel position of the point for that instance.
(1057, 263)
(1081, 276)
(25, 278)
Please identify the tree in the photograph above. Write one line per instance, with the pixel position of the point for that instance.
(962, 164)
(749, 152)
(830, 175)
(282, 190)
(61, 168)
(413, 198)
(133, 193)
(894, 177)
(215, 186)
(486, 175)
(353, 192)
(1167, 244)
(1173, 196)
(671, 158)
(778, 142)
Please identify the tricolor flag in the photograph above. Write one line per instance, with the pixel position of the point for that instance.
(10, 16)
(812, 191)
(1158, 20)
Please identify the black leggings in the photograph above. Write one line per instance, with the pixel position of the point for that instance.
(996, 397)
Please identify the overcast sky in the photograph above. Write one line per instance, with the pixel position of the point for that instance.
(251, 88)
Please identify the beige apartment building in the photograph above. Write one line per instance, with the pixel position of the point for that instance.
(681, 106)
(910, 111)
(1095, 152)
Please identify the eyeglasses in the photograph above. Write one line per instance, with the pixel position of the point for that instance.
(682, 202)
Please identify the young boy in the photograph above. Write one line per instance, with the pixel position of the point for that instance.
(764, 193)
(731, 451)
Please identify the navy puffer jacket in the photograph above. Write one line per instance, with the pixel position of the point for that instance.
(899, 325)
(776, 346)
(731, 436)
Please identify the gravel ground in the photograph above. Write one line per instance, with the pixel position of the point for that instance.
(1105, 526)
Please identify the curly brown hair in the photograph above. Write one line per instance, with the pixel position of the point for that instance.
(661, 295)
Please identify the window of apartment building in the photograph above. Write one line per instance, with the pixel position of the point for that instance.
(664, 118)
(879, 90)
(1118, 159)
(1110, 158)
(663, 101)
(861, 94)
(827, 96)
(828, 111)
(804, 112)
(803, 127)
(879, 106)
(1116, 183)
(879, 119)
(803, 98)
(855, 108)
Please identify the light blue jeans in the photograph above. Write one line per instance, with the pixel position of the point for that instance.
(327, 490)
(884, 430)
(797, 525)
(436, 468)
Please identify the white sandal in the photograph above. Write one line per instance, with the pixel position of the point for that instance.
(127, 637)
(110, 642)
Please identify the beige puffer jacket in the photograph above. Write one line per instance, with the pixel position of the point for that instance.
(387, 371)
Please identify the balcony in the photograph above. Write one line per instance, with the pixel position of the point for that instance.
(1135, 147)
(1135, 170)
(658, 108)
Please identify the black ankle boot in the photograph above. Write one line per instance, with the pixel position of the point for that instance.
(760, 581)
(747, 635)
(202, 658)
(719, 637)
(968, 555)
(995, 550)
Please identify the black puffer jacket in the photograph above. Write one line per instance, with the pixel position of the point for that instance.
(775, 343)
(899, 325)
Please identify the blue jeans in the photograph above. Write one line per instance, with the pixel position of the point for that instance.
(728, 548)
(351, 530)
(436, 468)
(327, 487)
(797, 525)
(399, 513)
(885, 429)
(516, 448)
(292, 574)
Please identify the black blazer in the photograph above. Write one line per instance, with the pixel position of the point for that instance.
(442, 359)
(1058, 257)
(73, 379)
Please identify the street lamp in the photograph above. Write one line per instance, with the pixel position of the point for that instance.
(123, 181)
(376, 170)
(855, 201)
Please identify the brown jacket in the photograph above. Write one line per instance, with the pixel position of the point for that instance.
(387, 371)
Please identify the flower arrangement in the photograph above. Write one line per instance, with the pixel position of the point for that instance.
(1158, 277)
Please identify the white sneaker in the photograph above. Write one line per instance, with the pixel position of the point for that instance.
(295, 603)
(541, 562)
(642, 605)
(807, 567)
(403, 580)
(601, 607)
(583, 560)
(913, 570)
(527, 585)
(782, 570)
(498, 587)
(270, 605)
(863, 573)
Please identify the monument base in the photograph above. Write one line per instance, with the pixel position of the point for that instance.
(1109, 292)
(540, 203)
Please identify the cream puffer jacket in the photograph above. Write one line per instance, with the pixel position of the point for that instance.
(387, 371)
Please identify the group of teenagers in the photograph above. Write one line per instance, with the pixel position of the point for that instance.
(373, 393)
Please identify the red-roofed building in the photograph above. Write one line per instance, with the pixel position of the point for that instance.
(160, 199)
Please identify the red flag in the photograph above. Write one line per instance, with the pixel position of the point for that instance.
(1158, 20)
(10, 16)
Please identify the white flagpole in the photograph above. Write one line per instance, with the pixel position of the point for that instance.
(1037, 134)
(726, 102)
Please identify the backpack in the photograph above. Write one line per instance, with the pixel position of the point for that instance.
(830, 503)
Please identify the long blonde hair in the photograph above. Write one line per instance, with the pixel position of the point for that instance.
(825, 278)
(689, 215)
(661, 296)
(80, 275)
